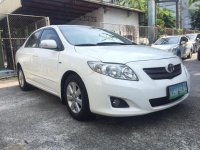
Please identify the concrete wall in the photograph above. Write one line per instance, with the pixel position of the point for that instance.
(8, 6)
(122, 22)
(117, 20)
(117, 16)
(97, 15)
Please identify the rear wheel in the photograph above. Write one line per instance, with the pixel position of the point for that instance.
(76, 99)
(190, 55)
(198, 55)
(195, 50)
(22, 81)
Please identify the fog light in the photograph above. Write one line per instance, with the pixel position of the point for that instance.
(118, 102)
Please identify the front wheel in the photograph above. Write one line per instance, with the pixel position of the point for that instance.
(22, 81)
(76, 99)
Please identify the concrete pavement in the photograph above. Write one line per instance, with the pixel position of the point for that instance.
(36, 120)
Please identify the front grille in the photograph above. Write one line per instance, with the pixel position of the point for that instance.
(162, 101)
(161, 72)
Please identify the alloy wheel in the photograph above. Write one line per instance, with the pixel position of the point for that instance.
(74, 97)
(21, 78)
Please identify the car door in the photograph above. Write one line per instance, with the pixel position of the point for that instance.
(189, 46)
(48, 61)
(183, 47)
(28, 55)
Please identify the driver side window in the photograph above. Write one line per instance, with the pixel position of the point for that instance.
(184, 39)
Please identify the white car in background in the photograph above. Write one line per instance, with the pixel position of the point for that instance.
(195, 39)
(95, 71)
(178, 45)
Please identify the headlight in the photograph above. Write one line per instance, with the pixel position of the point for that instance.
(117, 71)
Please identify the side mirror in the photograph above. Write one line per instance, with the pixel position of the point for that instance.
(183, 42)
(48, 44)
(198, 39)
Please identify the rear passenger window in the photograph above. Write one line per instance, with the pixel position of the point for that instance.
(33, 40)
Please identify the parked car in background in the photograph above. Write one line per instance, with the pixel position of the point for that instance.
(195, 39)
(178, 45)
(95, 71)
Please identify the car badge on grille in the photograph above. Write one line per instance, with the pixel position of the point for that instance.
(170, 68)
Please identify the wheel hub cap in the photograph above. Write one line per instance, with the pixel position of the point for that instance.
(74, 97)
(21, 78)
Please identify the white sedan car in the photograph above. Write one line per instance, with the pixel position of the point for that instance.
(95, 71)
(178, 45)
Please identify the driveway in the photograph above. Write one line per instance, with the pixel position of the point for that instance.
(36, 120)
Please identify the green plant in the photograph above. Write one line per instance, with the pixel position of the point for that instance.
(164, 16)
(190, 2)
(195, 17)
(137, 4)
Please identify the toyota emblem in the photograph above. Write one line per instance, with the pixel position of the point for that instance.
(170, 68)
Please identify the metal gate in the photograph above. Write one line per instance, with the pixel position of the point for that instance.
(15, 29)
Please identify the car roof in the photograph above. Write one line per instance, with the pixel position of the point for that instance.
(192, 34)
(179, 36)
(57, 26)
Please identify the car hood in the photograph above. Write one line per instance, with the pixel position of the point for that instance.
(192, 42)
(165, 47)
(123, 54)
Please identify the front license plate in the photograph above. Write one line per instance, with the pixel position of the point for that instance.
(177, 90)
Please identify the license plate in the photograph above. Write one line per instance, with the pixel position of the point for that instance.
(177, 90)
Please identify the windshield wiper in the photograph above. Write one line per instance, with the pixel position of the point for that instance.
(113, 43)
(87, 44)
(105, 43)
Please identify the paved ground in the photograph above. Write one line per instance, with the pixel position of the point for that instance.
(37, 120)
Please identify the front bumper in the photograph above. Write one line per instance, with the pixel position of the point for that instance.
(136, 93)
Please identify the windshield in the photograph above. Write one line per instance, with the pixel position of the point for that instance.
(192, 37)
(167, 40)
(91, 36)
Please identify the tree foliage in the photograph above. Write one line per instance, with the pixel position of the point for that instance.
(164, 16)
(137, 4)
(195, 17)
(190, 2)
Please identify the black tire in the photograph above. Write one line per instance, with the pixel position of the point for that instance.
(198, 55)
(194, 51)
(84, 113)
(190, 55)
(22, 80)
